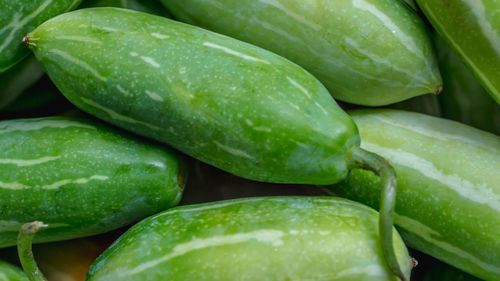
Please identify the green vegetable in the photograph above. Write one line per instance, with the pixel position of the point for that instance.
(368, 52)
(230, 104)
(463, 98)
(81, 178)
(267, 238)
(471, 27)
(18, 79)
(10, 272)
(21, 16)
(448, 202)
(148, 6)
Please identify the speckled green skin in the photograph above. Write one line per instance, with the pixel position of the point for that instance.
(472, 27)
(10, 272)
(147, 6)
(368, 52)
(463, 98)
(230, 104)
(266, 238)
(20, 17)
(448, 201)
(81, 178)
(17, 79)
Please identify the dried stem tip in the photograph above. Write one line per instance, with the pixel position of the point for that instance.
(26, 41)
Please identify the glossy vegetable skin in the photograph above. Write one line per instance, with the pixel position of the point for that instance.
(472, 28)
(230, 104)
(463, 98)
(21, 16)
(267, 238)
(9, 272)
(448, 202)
(227, 103)
(368, 52)
(80, 177)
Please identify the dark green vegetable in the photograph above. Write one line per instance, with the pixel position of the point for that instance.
(463, 98)
(267, 238)
(21, 16)
(448, 202)
(18, 79)
(472, 29)
(80, 177)
(227, 103)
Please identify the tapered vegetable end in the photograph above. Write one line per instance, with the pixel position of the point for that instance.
(360, 158)
(25, 252)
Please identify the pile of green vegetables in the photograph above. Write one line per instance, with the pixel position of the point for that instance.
(242, 105)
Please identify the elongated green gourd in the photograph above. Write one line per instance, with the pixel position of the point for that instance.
(17, 79)
(230, 104)
(10, 272)
(472, 27)
(266, 238)
(463, 98)
(448, 202)
(369, 52)
(81, 178)
(21, 16)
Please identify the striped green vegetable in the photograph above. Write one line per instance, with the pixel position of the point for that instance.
(17, 79)
(463, 98)
(81, 178)
(227, 103)
(21, 16)
(9, 272)
(148, 6)
(472, 27)
(448, 202)
(368, 52)
(266, 238)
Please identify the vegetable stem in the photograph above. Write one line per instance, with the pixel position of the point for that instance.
(25, 252)
(361, 158)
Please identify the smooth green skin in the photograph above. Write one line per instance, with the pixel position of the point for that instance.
(20, 17)
(18, 79)
(448, 201)
(147, 6)
(472, 27)
(463, 98)
(443, 272)
(368, 52)
(230, 104)
(426, 104)
(80, 177)
(264, 238)
(10, 272)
